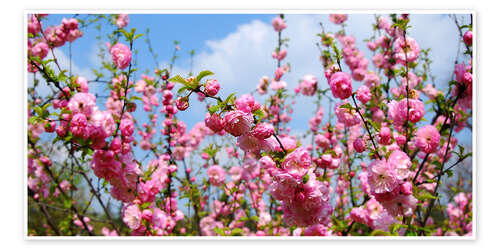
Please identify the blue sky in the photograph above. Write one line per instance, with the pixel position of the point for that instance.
(237, 48)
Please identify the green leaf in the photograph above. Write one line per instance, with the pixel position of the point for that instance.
(145, 205)
(230, 98)
(33, 119)
(182, 81)
(67, 203)
(347, 106)
(219, 231)
(202, 74)
(39, 111)
(181, 90)
(379, 232)
(132, 98)
(236, 232)
(426, 196)
(305, 178)
(449, 173)
(137, 36)
(258, 112)
(213, 109)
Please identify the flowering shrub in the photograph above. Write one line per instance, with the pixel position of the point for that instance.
(373, 162)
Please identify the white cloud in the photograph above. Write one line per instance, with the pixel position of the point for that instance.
(243, 56)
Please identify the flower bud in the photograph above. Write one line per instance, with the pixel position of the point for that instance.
(468, 38)
(182, 103)
(211, 87)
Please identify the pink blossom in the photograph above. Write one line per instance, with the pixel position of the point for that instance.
(359, 145)
(182, 103)
(122, 20)
(216, 175)
(70, 24)
(266, 162)
(275, 85)
(73, 35)
(459, 72)
(402, 205)
(263, 130)
(406, 188)
(34, 26)
(385, 135)
(317, 230)
(430, 91)
(372, 46)
(106, 232)
(79, 126)
(127, 127)
(410, 48)
(132, 216)
(363, 94)
(338, 18)
(237, 122)
(55, 35)
(322, 141)
(82, 103)
(40, 49)
(212, 87)
(308, 205)
(340, 85)
(246, 103)
(262, 86)
(82, 84)
(280, 55)
(427, 138)
(278, 24)
(401, 164)
(372, 79)
(308, 85)
(297, 163)
(346, 116)
(121, 55)
(214, 122)
(398, 111)
(359, 215)
(249, 143)
(381, 177)
(358, 74)
(468, 38)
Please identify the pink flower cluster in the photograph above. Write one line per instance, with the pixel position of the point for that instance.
(149, 96)
(398, 112)
(338, 18)
(121, 55)
(67, 31)
(354, 58)
(122, 20)
(308, 85)
(460, 214)
(53, 36)
(348, 117)
(386, 180)
(406, 50)
(340, 85)
(304, 199)
(278, 24)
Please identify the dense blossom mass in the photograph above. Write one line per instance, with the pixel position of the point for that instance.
(383, 154)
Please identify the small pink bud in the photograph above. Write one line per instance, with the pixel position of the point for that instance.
(468, 38)
(182, 103)
(211, 87)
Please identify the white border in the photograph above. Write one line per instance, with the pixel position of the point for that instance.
(255, 11)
